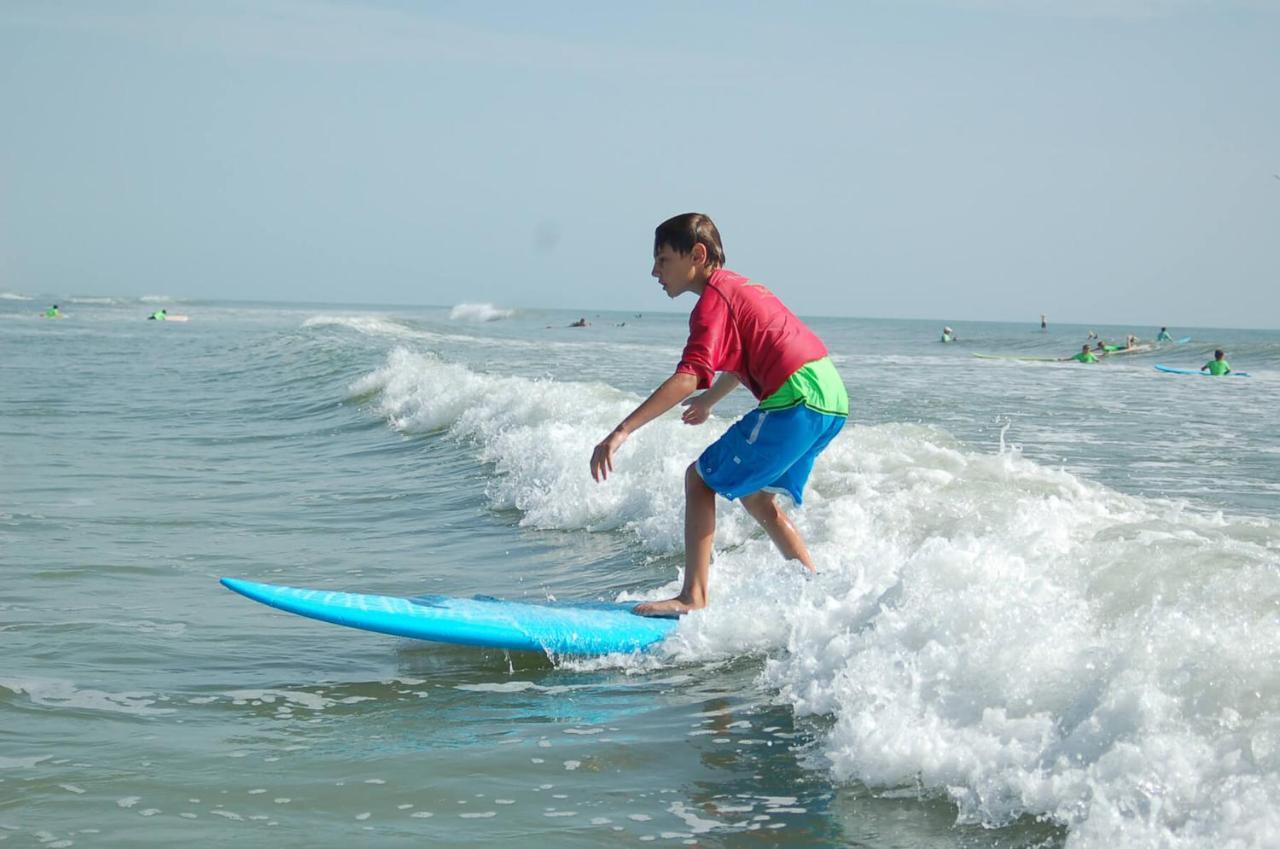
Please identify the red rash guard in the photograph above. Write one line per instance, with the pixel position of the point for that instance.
(742, 327)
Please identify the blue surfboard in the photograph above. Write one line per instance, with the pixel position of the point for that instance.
(574, 628)
(1172, 370)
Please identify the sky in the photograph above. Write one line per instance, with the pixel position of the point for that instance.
(1101, 161)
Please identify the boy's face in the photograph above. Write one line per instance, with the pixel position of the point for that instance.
(679, 273)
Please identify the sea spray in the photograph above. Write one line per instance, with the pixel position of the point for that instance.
(1006, 635)
(1025, 643)
(479, 312)
(538, 435)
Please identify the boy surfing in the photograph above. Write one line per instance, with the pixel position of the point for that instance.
(738, 329)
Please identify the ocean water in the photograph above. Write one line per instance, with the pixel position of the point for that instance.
(1048, 612)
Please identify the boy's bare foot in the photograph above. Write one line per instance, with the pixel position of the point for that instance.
(669, 609)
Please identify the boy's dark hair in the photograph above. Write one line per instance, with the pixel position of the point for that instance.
(1217, 355)
(682, 232)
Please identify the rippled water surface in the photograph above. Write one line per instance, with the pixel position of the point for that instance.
(1047, 613)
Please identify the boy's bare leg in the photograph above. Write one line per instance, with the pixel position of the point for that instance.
(764, 508)
(699, 533)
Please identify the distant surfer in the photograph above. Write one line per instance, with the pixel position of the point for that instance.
(582, 322)
(1163, 335)
(1130, 342)
(1044, 323)
(949, 335)
(158, 315)
(1085, 355)
(52, 312)
(741, 330)
(1218, 366)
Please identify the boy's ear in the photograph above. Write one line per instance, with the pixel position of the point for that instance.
(699, 253)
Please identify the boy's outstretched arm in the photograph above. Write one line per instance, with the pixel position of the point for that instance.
(699, 407)
(673, 390)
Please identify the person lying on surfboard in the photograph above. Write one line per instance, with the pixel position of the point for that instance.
(741, 330)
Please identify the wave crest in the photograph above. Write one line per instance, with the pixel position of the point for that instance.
(996, 632)
(479, 313)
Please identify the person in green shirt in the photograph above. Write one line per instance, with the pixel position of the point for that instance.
(1085, 355)
(1163, 335)
(52, 312)
(948, 335)
(1218, 366)
(159, 315)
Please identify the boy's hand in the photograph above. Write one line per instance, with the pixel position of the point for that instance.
(698, 410)
(602, 456)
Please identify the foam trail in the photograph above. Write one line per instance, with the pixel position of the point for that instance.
(1006, 635)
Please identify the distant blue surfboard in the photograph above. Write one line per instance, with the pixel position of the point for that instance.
(578, 628)
(1172, 370)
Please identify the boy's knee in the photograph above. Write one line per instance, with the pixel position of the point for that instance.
(693, 479)
(760, 504)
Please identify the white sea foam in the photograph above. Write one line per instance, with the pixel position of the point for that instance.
(294, 698)
(479, 312)
(89, 300)
(14, 296)
(1002, 634)
(371, 325)
(56, 693)
(498, 687)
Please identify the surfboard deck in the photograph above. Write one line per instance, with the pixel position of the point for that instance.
(562, 628)
(1173, 370)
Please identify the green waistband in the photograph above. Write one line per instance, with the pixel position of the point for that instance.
(817, 385)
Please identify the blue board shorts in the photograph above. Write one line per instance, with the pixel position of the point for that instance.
(771, 450)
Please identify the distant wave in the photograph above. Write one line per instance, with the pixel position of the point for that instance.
(479, 312)
(984, 629)
(371, 325)
(156, 299)
(14, 296)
